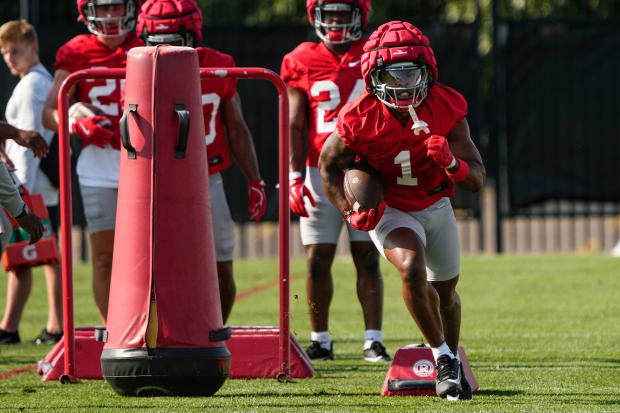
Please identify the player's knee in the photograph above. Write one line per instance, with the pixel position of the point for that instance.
(319, 265)
(367, 263)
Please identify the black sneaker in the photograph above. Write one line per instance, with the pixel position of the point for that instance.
(376, 352)
(316, 352)
(448, 376)
(7, 337)
(465, 393)
(47, 338)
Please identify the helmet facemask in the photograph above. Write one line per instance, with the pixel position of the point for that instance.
(184, 38)
(110, 26)
(338, 33)
(400, 85)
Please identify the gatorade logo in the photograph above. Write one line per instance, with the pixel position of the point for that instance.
(423, 368)
(30, 252)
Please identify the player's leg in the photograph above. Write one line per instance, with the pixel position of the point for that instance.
(224, 238)
(402, 237)
(19, 284)
(443, 260)
(100, 212)
(52, 332)
(370, 294)
(319, 235)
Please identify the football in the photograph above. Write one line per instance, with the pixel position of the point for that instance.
(362, 187)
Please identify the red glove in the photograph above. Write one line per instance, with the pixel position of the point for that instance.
(366, 220)
(297, 192)
(439, 151)
(91, 131)
(257, 199)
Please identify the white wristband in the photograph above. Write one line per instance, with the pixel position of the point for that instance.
(453, 163)
(294, 175)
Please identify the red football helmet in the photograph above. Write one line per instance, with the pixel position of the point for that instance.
(336, 32)
(174, 22)
(108, 26)
(398, 65)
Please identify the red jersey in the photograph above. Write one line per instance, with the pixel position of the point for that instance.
(329, 82)
(214, 91)
(411, 180)
(84, 51)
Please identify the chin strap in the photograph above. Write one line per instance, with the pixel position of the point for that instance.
(418, 125)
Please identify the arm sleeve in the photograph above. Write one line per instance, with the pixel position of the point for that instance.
(9, 195)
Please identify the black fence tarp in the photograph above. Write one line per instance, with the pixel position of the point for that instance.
(562, 110)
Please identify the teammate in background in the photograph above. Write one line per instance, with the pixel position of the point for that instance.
(20, 49)
(413, 131)
(321, 78)
(179, 23)
(111, 23)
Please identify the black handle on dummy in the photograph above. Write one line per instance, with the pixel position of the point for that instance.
(125, 140)
(184, 118)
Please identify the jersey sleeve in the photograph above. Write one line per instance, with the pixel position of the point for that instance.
(63, 58)
(292, 71)
(454, 106)
(350, 128)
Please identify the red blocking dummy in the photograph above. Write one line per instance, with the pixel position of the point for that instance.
(165, 334)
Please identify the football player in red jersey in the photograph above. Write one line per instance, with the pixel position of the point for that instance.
(179, 22)
(111, 23)
(321, 78)
(412, 130)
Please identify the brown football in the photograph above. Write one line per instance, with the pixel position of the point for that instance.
(362, 187)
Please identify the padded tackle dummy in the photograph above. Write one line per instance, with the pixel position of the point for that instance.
(165, 334)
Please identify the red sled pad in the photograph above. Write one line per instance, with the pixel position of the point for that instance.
(254, 354)
(87, 357)
(413, 372)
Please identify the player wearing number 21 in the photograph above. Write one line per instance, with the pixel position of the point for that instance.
(321, 77)
(111, 24)
(413, 131)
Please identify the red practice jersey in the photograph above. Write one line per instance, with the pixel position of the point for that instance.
(411, 180)
(214, 92)
(86, 52)
(329, 82)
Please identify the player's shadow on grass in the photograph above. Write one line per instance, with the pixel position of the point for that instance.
(502, 393)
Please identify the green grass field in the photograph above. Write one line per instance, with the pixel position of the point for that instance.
(542, 333)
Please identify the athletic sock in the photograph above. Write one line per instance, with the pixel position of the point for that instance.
(322, 337)
(441, 350)
(370, 336)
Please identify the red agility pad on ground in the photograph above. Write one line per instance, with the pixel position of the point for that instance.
(254, 354)
(87, 354)
(413, 372)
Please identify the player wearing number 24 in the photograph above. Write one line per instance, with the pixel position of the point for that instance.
(321, 77)
(413, 131)
(111, 24)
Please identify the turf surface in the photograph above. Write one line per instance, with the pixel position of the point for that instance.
(542, 333)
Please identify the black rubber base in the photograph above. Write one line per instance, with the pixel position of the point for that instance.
(166, 371)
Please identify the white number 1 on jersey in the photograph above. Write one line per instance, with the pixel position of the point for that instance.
(404, 160)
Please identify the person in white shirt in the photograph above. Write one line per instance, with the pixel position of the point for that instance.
(19, 46)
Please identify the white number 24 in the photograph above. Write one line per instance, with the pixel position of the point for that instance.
(334, 101)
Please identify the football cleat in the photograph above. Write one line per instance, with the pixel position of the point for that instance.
(316, 352)
(448, 376)
(376, 352)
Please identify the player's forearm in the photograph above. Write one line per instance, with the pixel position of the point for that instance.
(296, 153)
(50, 118)
(7, 131)
(335, 157)
(475, 176)
(242, 149)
